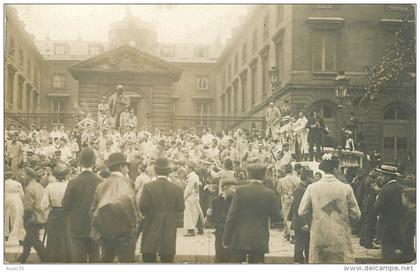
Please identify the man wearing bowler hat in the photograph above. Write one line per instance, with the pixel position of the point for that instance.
(391, 211)
(161, 202)
(246, 229)
(113, 202)
(76, 204)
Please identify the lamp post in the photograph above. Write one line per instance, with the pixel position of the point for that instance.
(274, 78)
(341, 84)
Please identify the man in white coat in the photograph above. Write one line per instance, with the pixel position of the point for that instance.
(193, 210)
(301, 135)
(333, 208)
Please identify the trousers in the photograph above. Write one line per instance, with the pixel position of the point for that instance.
(254, 257)
(122, 247)
(31, 240)
(152, 258)
(223, 255)
(83, 250)
(301, 252)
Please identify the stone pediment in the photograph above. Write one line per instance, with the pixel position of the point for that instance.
(125, 59)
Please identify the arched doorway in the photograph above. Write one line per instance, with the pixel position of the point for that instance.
(398, 132)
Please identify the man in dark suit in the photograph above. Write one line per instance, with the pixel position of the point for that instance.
(301, 253)
(76, 205)
(390, 208)
(161, 202)
(246, 230)
(316, 128)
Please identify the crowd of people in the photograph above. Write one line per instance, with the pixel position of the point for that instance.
(77, 182)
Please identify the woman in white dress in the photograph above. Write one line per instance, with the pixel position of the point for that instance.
(13, 207)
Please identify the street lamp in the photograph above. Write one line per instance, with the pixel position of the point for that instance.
(341, 84)
(274, 78)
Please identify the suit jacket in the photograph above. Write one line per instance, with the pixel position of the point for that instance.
(247, 221)
(315, 133)
(390, 207)
(78, 200)
(161, 202)
(297, 221)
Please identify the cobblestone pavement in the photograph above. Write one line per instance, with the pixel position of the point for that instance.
(200, 249)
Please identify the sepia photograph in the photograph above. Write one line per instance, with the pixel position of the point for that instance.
(190, 133)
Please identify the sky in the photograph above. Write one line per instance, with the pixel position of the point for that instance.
(174, 23)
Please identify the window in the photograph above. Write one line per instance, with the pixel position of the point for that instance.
(203, 83)
(203, 110)
(10, 89)
(60, 49)
(389, 142)
(396, 113)
(56, 107)
(167, 51)
(253, 82)
(266, 27)
(21, 58)
(280, 14)
(235, 97)
(323, 51)
(202, 52)
(36, 77)
(254, 41)
(279, 58)
(29, 68)
(59, 81)
(223, 80)
(229, 71)
(95, 50)
(20, 95)
(244, 54)
(264, 73)
(223, 103)
(244, 91)
(402, 143)
(11, 47)
(236, 63)
(398, 142)
(229, 102)
(326, 112)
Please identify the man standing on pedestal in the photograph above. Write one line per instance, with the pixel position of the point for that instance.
(118, 104)
(272, 117)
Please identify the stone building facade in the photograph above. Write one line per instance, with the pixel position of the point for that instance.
(308, 44)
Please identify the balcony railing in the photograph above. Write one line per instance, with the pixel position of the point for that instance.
(324, 75)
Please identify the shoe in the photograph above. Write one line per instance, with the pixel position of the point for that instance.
(377, 242)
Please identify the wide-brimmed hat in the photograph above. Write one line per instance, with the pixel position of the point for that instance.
(60, 170)
(162, 166)
(388, 169)
(116, 158)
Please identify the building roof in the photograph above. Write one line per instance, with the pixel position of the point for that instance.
(74, 50)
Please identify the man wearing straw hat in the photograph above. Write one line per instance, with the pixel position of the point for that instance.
(390, 208)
